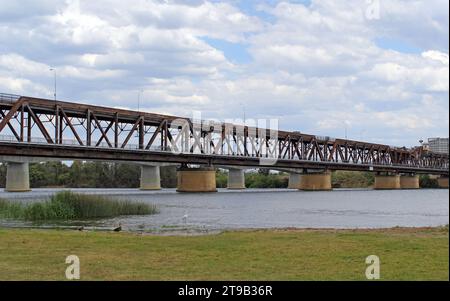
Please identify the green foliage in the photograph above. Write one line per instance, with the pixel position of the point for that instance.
(168, 176)
(266, 180)
(221, 179)
(66, 205)
(352, 179)
(90, 175)
(426, 182)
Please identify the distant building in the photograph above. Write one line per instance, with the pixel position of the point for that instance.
(438, 145)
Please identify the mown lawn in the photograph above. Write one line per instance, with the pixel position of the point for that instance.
(405, 254)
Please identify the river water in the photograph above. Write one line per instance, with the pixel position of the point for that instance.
(266, 208)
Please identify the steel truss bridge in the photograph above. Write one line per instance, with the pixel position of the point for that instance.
(36, 127)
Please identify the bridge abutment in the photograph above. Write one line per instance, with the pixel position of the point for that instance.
(17, 177)
(236, 179)
(150, 178)
(315, 181)
(409, 182)
(388, 181)
(443, 182)
(196, 179)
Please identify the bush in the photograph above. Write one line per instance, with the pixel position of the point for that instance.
(221, 179)
(259, 180)
(67, 205)
(426, 182)
(352, 179)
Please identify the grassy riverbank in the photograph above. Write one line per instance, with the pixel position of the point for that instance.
(405, 254)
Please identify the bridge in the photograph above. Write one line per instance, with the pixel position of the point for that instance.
(36, 129)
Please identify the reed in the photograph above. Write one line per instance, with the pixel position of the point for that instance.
(67, 205)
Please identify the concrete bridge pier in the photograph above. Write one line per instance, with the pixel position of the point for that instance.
(294, 181)
(17, 177)
(236, 179)
(315, 181)
(387, 181)
(409, 181)
(196, 179)
(150, 178)
(443, 182)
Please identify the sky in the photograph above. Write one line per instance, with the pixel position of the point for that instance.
(374, 70)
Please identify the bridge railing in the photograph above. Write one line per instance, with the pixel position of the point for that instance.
(8, 98)
(72, 142)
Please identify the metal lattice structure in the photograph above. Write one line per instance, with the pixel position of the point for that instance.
(41, 127)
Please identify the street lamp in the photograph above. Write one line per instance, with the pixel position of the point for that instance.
(243, 110)
(54, 77)
(139, 98)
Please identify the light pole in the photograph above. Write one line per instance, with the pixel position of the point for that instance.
(54, 77)
(243, 110)
(139, 98)
(346, 124)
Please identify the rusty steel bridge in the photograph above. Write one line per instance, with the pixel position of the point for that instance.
(43, 128)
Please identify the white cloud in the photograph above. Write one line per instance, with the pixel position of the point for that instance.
(318, 68)
(437, 56)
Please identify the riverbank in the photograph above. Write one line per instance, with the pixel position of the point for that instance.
(287, 254)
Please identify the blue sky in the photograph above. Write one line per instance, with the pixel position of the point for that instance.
(374, 67)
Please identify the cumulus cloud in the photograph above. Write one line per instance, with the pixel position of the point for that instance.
(318, 68)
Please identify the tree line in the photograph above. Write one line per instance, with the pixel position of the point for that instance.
(82, 174)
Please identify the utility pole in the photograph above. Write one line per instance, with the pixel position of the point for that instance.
(54, 77)
(139, 98)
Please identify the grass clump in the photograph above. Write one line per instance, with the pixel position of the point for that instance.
(66, 205)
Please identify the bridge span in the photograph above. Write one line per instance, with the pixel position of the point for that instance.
(42, 129)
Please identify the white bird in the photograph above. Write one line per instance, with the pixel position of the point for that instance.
(185, 217)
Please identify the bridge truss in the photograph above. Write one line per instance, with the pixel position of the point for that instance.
(41, 127)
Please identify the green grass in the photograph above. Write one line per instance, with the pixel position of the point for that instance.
(405, 254)
(66, 205)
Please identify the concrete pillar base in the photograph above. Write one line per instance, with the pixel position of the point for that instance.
(387, 182)
(294, 181)
(196, 180)
(236, 179)
(315, 181)
(17, 177)
(443, 182)
(409, 182)
(150, 178)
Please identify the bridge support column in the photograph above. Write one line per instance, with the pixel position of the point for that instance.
(294, 181)
(315, 181)
(409, 182)
(236, 179)
(387, 181)
(443, 182)
(17, 177)
(150, 178)
(196, 179)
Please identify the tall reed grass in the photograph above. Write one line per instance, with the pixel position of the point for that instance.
(67, 205)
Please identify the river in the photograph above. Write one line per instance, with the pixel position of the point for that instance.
(266, 208)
